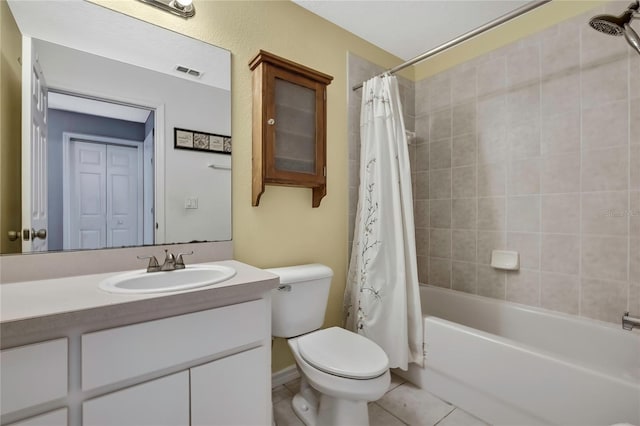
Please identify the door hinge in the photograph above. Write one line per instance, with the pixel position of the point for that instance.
(324, 171)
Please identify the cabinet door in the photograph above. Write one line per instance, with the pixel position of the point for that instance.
(54, 418)
(232, 391)
(160, 402)
(32, 375)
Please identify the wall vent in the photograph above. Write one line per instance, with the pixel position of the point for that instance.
(189, 71)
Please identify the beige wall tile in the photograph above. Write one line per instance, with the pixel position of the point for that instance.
(463, 245)
(423, 269)
(634, 206)
(440, 125)
(634, 115)
(560, 134)
(422, 157)
(603, 300)
(604, 82)
(560, 292)
(560, 174)
(634, 259)
(604, 257)
(440, 183)
(421, 213)
(561, 213)
(634, 79)
(523, 213)
(440, 154)
(463, 182)
(440, 243)
(422, 186)
(634, 168)
(560, 253)
(439, 87)
(492, 180)
(560, 53)
(605, 125)
(605, 169)
(524, 139)
(463, 150)
(422, 241)
(492, 76)
(523, 104)
(605, 213)
(523, 177)
(464, 119)
(463, 84)
(491, 213)
(463, 276)
(440, 272)
(492, 144)
(528, 247)
(422, 123)
(463, 213)
(489, 241)
(491, 282)
(491, 112)
(560, 94)
(523, 286)
(440, 213)
(523, 66)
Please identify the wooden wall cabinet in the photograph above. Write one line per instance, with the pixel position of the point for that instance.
(289, 126)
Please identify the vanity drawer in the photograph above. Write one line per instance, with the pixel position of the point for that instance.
(32, 375)
(122, 353)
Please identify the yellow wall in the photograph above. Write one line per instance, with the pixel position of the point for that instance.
(525, 25)
(284, 229)
(10, 114)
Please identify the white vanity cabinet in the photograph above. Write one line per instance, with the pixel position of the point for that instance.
(224, 376)
(32, 375)
(160, 402)
(230, 391)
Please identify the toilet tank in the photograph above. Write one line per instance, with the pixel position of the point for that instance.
(298, 304)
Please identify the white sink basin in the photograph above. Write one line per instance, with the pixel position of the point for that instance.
(159, 282)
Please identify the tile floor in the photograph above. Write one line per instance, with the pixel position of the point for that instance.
(403, 404)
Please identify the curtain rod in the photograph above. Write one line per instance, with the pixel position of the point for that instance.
(464, 37)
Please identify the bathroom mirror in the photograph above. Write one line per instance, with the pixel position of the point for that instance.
(124, 135)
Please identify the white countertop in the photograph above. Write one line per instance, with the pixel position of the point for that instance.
(36, 310)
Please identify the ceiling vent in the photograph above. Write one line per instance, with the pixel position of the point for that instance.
(189, 71)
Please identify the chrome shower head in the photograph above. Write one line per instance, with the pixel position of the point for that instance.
(611, 25)
(619, 25)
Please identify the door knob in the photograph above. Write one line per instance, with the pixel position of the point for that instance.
(13, 235)
(41, 233)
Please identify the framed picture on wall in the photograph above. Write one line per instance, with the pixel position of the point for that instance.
(201, 141)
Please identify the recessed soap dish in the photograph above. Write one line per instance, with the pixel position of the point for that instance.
(504, 259)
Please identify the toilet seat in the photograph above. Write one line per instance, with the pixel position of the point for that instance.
(343, 353)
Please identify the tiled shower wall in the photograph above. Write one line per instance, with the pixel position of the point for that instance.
(535, 147)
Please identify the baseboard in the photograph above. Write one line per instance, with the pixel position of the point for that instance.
(284, 376)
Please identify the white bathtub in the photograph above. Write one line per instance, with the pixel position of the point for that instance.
(513, 365)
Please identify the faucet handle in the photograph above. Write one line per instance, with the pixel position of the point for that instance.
(153, 263)
(180, 260)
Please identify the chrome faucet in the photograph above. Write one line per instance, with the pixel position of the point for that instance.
(171, 263)
(628, 322)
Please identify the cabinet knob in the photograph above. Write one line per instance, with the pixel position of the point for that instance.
(271, 122)
(13, 235)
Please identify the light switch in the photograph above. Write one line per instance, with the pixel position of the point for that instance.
(191, 203)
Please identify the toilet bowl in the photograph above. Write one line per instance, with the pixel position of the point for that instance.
(340, 371)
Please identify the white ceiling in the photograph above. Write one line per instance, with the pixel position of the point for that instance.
(94, 107)
(409, 28)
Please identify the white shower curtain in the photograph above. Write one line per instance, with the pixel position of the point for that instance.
(382, 300)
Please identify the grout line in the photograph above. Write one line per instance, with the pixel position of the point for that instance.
(580, 117)
(390, 413)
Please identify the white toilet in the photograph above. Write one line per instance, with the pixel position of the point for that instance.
(340, 371)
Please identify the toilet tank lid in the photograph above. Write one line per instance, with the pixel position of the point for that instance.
(300, 273)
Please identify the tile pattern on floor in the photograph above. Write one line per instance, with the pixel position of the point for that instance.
(403, 404)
